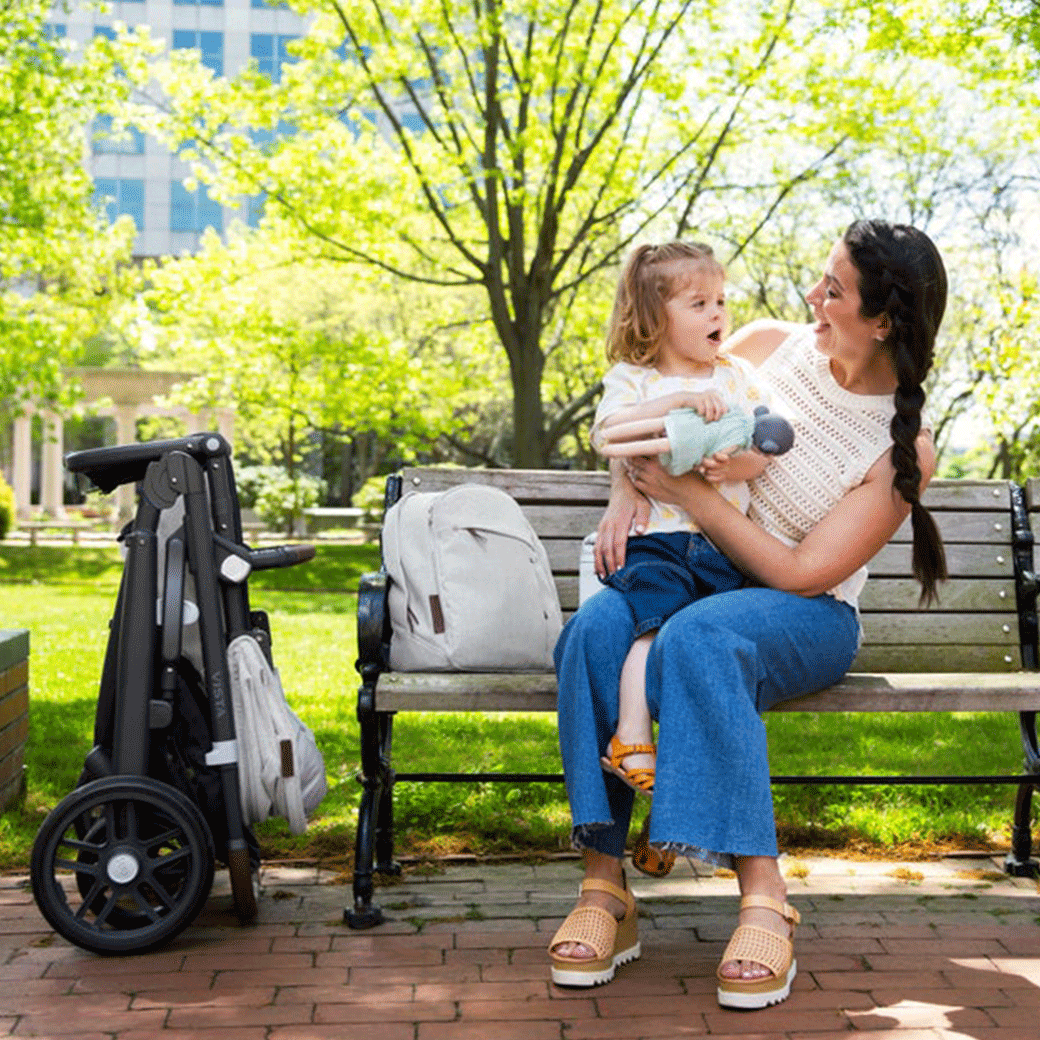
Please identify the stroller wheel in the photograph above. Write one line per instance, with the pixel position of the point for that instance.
(122, 865)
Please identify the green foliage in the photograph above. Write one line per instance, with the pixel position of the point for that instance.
(501, 165)
(281, 499)
(6, 507)
(66, 598)
(51, 234)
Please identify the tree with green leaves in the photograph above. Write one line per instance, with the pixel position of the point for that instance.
(59, 259)
(519, 147)
(299, 352)
(507, 153)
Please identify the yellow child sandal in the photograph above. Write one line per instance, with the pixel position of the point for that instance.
(639, 779)
(612, 941)
(761, 946)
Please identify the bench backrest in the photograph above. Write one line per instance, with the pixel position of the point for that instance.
(974, 627)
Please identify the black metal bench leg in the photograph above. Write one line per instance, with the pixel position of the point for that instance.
(1020, 862)
(374, 829)
(384, 830)
(364, 914)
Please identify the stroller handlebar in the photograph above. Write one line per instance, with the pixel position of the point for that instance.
(109, 467)
(280, 556)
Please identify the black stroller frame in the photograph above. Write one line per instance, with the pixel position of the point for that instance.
(140, 849)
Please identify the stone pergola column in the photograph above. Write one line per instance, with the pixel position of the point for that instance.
(21, 449)
(52, 483)
(126, 433)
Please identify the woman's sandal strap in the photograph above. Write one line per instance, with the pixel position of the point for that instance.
(759, 946)
(785, 910)
(598, 885)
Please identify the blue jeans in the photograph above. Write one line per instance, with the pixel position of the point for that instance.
(665, 572)
(713, 668)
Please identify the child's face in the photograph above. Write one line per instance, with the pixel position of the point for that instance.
(696, 325)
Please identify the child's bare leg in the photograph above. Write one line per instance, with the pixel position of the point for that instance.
(634, 725)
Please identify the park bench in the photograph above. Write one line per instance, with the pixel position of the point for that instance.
(73, 527)
(975, 650)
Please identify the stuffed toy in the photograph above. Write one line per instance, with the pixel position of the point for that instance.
(691, 439)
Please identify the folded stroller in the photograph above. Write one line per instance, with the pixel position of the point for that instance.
(126, 861)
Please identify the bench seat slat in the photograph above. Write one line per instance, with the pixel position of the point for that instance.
(536, 691)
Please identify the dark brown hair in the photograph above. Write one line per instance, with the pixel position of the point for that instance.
(901, 275)
(652, 275)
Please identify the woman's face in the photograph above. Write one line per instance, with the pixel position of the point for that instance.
(842, 334)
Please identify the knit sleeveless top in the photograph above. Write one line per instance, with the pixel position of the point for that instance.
(838, 436)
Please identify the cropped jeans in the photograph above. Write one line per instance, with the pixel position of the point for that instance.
(713, 668)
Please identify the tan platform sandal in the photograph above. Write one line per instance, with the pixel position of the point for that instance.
(652, 862)
(612, 941)
(641, 780)
(753, 943)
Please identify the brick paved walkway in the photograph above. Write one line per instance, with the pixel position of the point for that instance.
(937, 951)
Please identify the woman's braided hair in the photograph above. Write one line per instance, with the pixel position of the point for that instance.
(651, 276)
(901, 275)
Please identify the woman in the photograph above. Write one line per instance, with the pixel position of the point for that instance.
(852, 387)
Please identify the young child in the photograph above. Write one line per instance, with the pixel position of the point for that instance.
(668, 321)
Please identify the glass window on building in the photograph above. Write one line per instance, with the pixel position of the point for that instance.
(104, 141)
(278, 5)
(210, 46)
(198, 3)
(194, 210)
(270, 52)
(105, 30)
(119, 196)
(55, 30)
(256, 204)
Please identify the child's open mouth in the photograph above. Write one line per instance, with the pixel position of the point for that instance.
(715, 336)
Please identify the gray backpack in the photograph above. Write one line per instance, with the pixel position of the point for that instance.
(470, 584)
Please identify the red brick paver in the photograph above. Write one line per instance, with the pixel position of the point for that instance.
(462, 957)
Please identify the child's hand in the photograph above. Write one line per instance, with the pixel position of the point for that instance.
(733, 466)
(708, 405)
(716, 468)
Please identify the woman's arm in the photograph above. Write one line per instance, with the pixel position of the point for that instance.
(625, 508)
(850, 535)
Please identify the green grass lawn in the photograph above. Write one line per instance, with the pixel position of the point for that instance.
(64, 596)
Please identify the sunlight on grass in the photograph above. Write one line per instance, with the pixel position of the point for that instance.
(65, 600)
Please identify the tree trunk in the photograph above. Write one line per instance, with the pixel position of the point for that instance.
(529, 448)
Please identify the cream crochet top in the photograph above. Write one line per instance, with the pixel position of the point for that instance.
(838, 436)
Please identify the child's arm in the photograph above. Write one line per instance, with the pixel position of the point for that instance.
(707, 404)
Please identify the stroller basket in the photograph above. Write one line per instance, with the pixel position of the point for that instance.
(126, 861)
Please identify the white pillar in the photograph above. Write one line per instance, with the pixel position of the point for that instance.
(52, 483)
(21, 449)
(195, 422)
(226, 424)
(126, 433)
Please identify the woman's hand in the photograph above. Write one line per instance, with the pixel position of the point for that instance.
(626, 508)
(650, 478)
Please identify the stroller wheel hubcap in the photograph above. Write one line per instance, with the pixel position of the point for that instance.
(122, 868)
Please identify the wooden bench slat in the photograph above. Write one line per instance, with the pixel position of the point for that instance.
(914, 629)
(963, 560)
(575, 522)
(949, 657)
(562, 486)
(978, 596)
(527, 691)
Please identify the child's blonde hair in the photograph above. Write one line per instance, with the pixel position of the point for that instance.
(652, 275)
